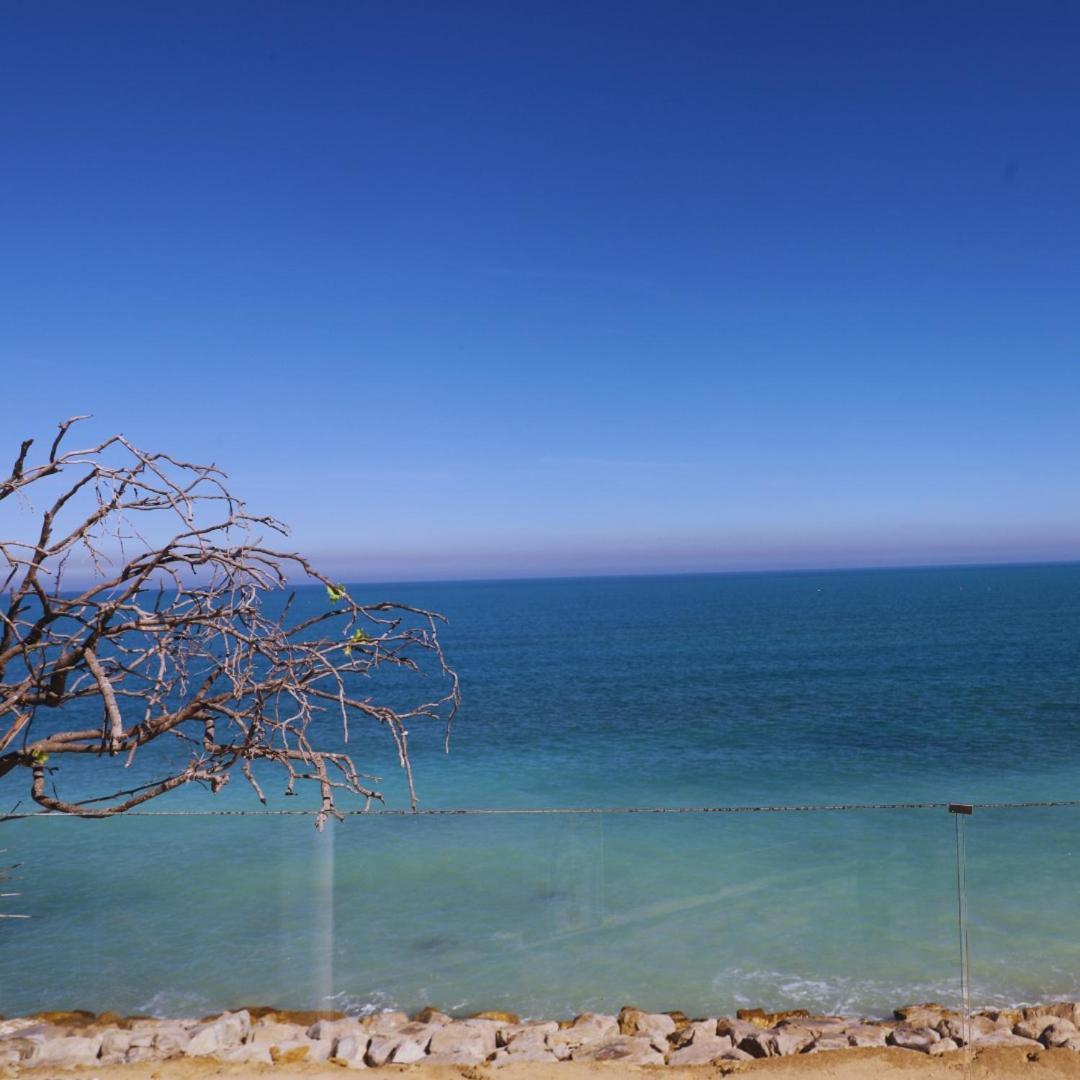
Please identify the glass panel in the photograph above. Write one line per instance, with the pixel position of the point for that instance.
(544, 915)
(1023, 880)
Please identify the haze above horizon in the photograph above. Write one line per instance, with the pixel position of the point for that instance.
(486, 290)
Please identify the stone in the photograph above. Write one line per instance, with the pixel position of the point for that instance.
(1063, 1010)
(703, 1050)
(351, 1049)
(430, 1015)
(327, 1029)
(172, 1042)
(657, 1026)
(942, 1046)
(953, 1028)
(832, 1041)
(589, 1029)
(65, 1052)
(383, 1023)
(817, 1026)
(220, 1033)
(737, 1029)
(1005, 1038)
(761, 1019)
(911, 1037)
(1031, 1027)
(779, 1042)
(248, 1054)
(735, 1054)
(300, 1049)
(867, 1035)
(929, 1014)
(475, 1038)
(695, 1029)
(627, 1049)
(115, 1043)
(137, 1054)
(498, 1016)
(66, 1018)
(523, 1035)
(529, 1053)
(267, 1033)
(408, 1051)
(1072, 1044)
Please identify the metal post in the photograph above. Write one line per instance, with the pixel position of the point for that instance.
(960, 811)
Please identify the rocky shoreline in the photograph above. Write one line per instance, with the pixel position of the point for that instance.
(63, 1040)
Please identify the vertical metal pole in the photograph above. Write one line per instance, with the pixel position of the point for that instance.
(960, 811)
(324, 899)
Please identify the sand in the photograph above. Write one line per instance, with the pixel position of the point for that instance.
(999, 1063)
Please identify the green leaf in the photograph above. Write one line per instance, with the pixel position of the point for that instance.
(336, 593)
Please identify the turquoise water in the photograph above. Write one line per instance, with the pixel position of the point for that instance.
(783, 689)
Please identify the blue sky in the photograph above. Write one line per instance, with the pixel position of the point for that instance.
(464, 289)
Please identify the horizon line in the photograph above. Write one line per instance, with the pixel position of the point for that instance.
(1021, 564)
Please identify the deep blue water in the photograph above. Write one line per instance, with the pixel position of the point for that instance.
(765, 689)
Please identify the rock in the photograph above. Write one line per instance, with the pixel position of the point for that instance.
(115, 1043)
(1010, 1016)
(866, 1035)
(496, 1015)
(528, 1053)
(832, 1041)
(1063, 1010)
(657, 1026)
(1005, 1038)
(735, 1054)
(589, 1029)
(351, 1049)
(628, 1049)
(475, 1038)
(761, 1019)
(267, 1033)
(779, 1042)
(598, 1025)
(953, 1028)
(383, 1049)
(331, 1029)
(431, 1015)
(66, 1018)
(737, 1029)
(408, 1051)
(927, 1015)
(817, 1026)
(172, 1042)
(9, 1057)
(1073, 1043)
(19, 1025)
(137, 1054)
(703, 1050)
(65, 1052)
(220, 1033)
(1032, 1027)
(383, 1023)
(942, 1046)
(523, 1035)
(910, 1037)
(684, 1036)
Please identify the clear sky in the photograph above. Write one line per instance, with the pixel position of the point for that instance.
(477, 289)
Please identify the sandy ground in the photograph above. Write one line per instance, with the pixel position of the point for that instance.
(1000, 1063)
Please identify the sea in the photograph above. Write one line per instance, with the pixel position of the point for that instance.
(688, 792)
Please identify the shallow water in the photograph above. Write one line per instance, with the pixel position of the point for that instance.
(730, 690)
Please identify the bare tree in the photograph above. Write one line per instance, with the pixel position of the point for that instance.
(181, 630)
